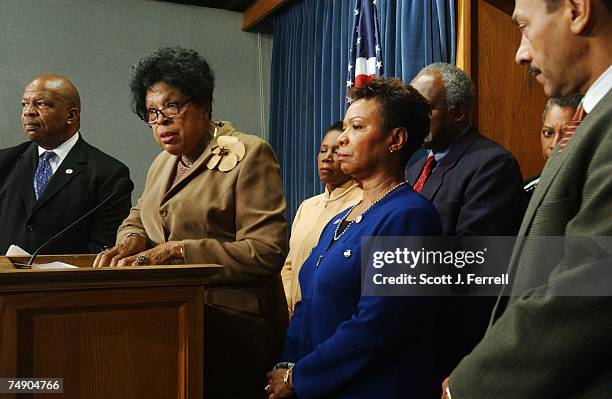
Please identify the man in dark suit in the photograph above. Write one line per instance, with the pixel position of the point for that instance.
(475, 185)
(56, 177)
(553, 340)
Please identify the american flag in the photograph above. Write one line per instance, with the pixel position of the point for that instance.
(365, 57)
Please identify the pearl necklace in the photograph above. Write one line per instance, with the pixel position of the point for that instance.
(343, 194)
(360, 216)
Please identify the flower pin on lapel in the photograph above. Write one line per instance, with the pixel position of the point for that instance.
(227, 154)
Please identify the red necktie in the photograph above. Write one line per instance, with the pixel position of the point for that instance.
(430, 163)
(572, 126)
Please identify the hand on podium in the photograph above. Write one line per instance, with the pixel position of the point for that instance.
(131, 245)
(132, 252)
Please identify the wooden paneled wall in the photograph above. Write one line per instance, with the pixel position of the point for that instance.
(509, 101)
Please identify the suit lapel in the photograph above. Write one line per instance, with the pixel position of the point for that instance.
(29, 161)
(76, 160)
(554, 164)
(221, 130)
(433, 183)
(551, 170)
(415, 171)
(193, 171)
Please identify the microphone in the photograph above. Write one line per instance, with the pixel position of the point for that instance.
(122, 187)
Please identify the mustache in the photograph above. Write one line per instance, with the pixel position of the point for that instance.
(533, 70)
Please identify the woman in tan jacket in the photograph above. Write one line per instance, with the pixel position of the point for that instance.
(213, 195)
(341, 192)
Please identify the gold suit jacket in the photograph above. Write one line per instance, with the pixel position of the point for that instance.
(235, 219)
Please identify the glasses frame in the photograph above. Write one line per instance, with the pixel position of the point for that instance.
(158, 112)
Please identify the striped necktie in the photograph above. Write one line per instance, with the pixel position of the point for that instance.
(430, 163)
(572, 126)
(43, 173)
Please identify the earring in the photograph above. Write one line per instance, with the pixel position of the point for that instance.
(390, 150)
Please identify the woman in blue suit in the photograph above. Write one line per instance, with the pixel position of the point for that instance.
(340, 343)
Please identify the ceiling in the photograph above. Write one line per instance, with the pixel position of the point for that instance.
(233, 5)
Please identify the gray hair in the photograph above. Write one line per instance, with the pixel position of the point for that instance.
(458, 87)
(572, 101)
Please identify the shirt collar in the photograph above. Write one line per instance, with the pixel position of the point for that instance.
(441, 154)
(63, 149)
(598, 90)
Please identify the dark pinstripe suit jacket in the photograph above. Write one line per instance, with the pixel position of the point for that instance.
(477, 188)
(547, 345)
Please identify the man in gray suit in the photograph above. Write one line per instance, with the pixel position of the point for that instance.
(547, 345)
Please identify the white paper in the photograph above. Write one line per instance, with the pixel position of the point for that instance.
(15, 250)
(53, 265)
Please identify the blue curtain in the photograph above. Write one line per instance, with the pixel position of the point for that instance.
(309, 72)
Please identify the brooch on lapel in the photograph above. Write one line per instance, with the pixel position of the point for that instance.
(347, 253)
(227, 154)
(69, 171)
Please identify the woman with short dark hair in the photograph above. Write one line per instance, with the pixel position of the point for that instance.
(340, 343)
(213, 195)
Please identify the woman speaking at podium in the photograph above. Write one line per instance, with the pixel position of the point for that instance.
(213, 195)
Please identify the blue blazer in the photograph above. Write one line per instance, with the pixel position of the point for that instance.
(350, 346)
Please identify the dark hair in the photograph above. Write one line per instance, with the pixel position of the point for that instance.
(401, 105)
(337, 125)
(569, 101)
(182, 68)
(553, 5)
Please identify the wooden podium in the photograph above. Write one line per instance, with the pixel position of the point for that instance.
(109, 333)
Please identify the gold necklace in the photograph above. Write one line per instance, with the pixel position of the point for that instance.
(359, 218)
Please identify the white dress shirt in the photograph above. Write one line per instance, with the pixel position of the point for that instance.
(60, 152)
(598, 90)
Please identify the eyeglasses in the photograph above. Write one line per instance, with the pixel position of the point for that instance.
(173, 110)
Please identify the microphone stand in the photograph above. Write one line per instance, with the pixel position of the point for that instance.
(55, 237)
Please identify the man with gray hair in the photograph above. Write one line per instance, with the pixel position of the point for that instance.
(475, 185)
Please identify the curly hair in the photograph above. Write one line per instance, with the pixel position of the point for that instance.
(401, 105)
(458, 87)
(182, 68)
